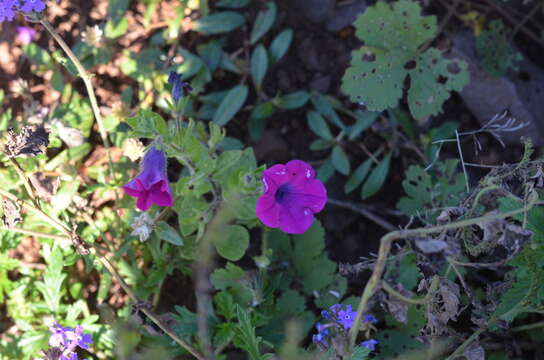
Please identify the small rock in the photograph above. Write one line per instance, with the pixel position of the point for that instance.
(314, 10)
(272, 146)
(345, 15)
(321, 83)
(487, 96)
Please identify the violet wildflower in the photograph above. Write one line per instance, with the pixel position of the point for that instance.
(346, 317)
(370, 319)
(179, 88)
(25, 34)
(320, 339)
(151, 185)
(33, 5)
(292, 195)
(8, 9)
(66, 340)
(369, 344)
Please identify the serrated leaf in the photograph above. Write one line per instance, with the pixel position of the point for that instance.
(495, 50)
(280, 45)
(340, 160)
(318, 125)
(377, 178)
(233, 245)
(263, 22)
(431, 82)
(169, 234)
(230, 105)
(217, 23)
(225, 305)
(293, 100)
(358, 176)
(259, 65)
(392, 35)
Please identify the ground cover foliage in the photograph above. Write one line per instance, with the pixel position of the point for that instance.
(143, 219)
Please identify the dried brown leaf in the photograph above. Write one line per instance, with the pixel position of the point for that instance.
(12, 214)
(46, 186)
(31, 141)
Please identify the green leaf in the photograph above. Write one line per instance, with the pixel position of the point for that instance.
(321, 144)
(293, 100)
(230, 275)
(360, 353)
(246, 339)
(233, 4)
(220, 22)
(51, 287)
(358, 176)
(257, 119)
(233, 245)
(280, 45)
(263, 22)
(495, 49)
(167, 233)
(116, 28)
(340, 160)
(230, 105)
(376, 178)
(324, 105)
(225, 305)
(393, 35)
(364, 121)
(259, 65)
(431, 82)
(326, 170)
(318, 125)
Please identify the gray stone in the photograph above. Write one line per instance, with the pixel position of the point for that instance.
(345, 15)
(314, 10)
(487, 96)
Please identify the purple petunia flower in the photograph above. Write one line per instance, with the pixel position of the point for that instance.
(33, 5)
(292, 195)
(369, 344)
(25, 34)
(346, 317)
(151, 185)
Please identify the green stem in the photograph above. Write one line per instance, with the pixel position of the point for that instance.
(417, 301)
(88, 85)
(385, 246)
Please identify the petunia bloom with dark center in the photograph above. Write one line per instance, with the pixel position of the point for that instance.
(292, 195)
(151, 185)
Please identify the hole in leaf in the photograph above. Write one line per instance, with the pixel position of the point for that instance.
(453, 68)
(442, 79)
(404, 13)
(410, 65)
(369, 57)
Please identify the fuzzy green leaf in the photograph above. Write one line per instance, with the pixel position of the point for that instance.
(233, 245)
(230, 105)
(220, 22)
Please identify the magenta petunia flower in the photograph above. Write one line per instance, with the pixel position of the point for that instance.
(25, 34)
(151, 185)
(292, 195)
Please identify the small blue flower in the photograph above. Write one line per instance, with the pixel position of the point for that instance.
(369, 344)
(320, 338)
(370, 318)
(326, 315)
(346, 317)
(179, 88)
(33, 5)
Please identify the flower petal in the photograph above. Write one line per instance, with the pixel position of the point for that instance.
(268, 211)
(311, 194)
(144, 201)
(295, 219)
(299, 172)
(160, 194)
(274, 177)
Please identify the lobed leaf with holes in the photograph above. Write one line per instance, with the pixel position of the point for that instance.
(395, 37)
